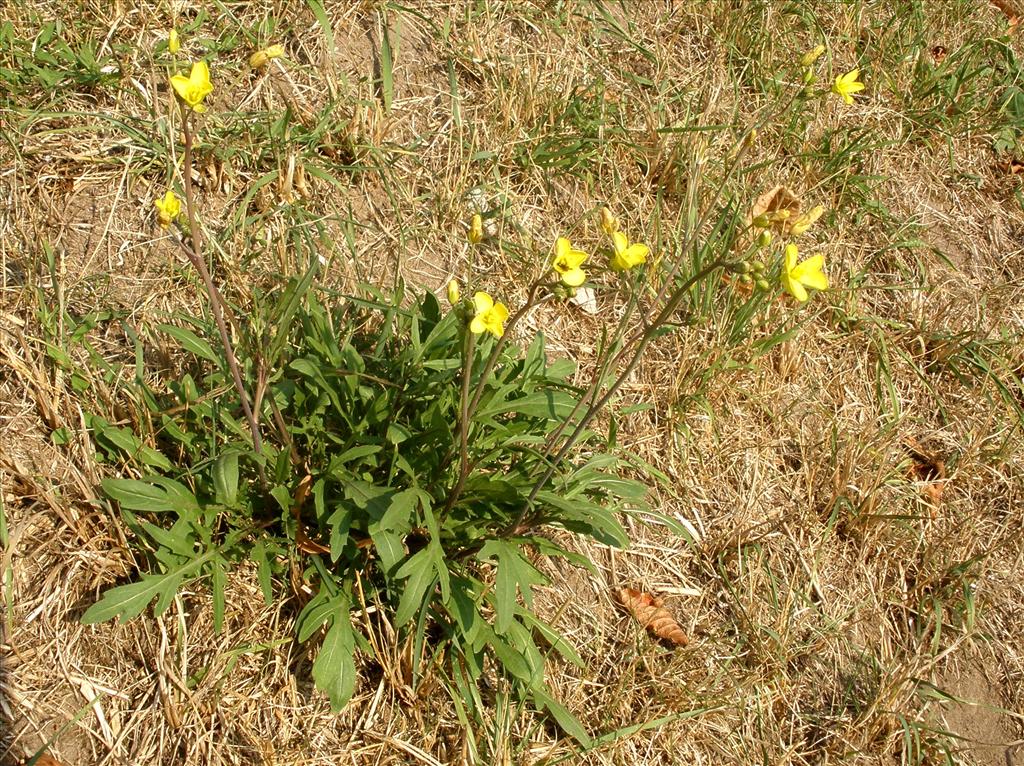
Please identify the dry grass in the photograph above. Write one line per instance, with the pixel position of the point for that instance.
(837, 613)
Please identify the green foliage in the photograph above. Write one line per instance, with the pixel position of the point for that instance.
(361, 460)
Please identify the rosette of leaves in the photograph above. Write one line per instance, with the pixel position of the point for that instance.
(359, 399)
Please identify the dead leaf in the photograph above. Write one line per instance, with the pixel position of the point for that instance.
(1010, 11)
(1011, 167)
(45, 760)
(650, 612)
(927, 469)
(302, 541)
(586, 299)
(779, 204)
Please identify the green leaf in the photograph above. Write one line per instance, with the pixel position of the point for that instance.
(569, 723)
(128, 601)
(225, 478)
(138, 495)
(513, 572)
(190, 342)
(510, 659)
(547, 404)
(285, 311)
(579, 515)
(555, 639)
(259, 555)
(420, 574)
(124, 439)
(334, 670)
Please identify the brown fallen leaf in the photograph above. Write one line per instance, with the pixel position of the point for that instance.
(1010, 11)
(1011, 167)
(45, 760)
(650, 612)
(779, 204)
(927, 469)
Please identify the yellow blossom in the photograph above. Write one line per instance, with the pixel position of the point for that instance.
(476, 229)
(609, 222)
(812, 55)
(567, 263)
(796, 277)
(194, 88)
(167, 208)
(626, 255)
(488, 316)
(453, 291)
(259, 59)
(173, 44)
(846, 85)
(804, 222)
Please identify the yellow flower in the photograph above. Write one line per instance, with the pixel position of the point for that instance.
(259, 59)
(626, 255)
(453, 291)
(167, 209)
(567, 263)
(609, 222)
(194, 88)
(812, 55)
(846, 85)
(476, 229)
(489, 316)
(805, 221)
(173, 44)
(796, 277)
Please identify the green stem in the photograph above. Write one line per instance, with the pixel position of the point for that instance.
(464, 415)
(216, 300)
(597, 406)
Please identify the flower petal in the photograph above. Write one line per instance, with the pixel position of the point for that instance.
(477, 326)
(637, 253)
(574, 277)
(811, 273)
(562, 246)
(791, 257)
(619, 242)
(482, 303)
(501, 310)
(793, 287)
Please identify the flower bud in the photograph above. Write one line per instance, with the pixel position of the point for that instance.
(476, 229)
(173, 43)
(258, 60)
(809, 77)
(757, 267)
(762, 221)
(812, 55)
(762, 284)
(453, 292)
(739, 267)
(609, 222)
(274, 51)
(764, 238)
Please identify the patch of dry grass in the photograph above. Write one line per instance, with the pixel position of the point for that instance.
(834, 608)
